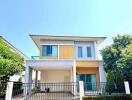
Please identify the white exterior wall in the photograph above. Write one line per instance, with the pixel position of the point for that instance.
(55, 76)
(84, 46)
(96, 50)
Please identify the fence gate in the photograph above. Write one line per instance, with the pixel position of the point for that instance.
(45, 91)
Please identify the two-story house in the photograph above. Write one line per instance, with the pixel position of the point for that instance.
(66, 59)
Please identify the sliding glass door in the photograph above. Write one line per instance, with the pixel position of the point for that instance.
(89, 79)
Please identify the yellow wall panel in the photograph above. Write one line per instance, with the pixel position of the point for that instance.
(66, 52)
(87, 64)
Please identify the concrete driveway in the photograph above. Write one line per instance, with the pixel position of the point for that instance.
(48, 96)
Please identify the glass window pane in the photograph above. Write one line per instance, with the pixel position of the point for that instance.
(93, 80)
(88, 78)
(82, 77)
(54, 50)
(79, 51)
(44, 50)
(89, 53)
(78, 79)
(49, 50)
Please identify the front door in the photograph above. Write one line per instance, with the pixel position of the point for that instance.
(89, 79)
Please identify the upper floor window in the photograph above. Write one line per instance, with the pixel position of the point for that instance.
(80, 53)
(89, 52)
(49, 50)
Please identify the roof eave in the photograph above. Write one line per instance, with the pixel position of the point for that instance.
(75, 38)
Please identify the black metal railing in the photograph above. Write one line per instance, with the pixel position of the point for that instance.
(45, 91)
(17, 89)
(60, 91)
(104, 88)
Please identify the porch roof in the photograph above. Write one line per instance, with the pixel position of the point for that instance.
(49, 63)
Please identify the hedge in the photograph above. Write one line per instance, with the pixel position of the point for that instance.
(111, 97)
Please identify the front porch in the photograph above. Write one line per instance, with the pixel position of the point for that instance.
(55, 80)
(51, 71)
(61, 72)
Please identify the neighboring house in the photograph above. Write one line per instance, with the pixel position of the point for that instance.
(16, 77)
(66, 59)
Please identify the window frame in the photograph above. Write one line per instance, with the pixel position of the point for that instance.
(80, 52)
(50, 51)
(90, 51)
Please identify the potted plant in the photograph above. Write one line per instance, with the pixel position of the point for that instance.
(35, 90)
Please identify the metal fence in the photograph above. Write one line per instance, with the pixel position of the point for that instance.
(60, 91)
(104, 88)
(45, 91)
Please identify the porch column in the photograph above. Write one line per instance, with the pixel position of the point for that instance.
(102, 76)
(74, 71)
(74, 77)
(36, 78)
(28, 75)
(102, 73)
(28, 79)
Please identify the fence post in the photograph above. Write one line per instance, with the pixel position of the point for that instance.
(81, 89)
(9, 90)
(127, 88)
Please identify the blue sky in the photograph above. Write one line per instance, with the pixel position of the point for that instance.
(19, 18)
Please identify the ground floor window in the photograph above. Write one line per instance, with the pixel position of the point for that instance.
(89, 79)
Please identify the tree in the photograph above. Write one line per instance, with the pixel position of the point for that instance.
(114, 84)
(127, 62)
(10, 62)
(118, 56)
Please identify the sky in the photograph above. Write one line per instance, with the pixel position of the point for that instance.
(19, 18)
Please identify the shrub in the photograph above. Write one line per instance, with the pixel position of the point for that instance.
(35, 90)
(115, 83)
(111, 97)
